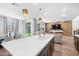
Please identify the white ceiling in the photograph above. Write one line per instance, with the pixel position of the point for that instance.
(50, 11)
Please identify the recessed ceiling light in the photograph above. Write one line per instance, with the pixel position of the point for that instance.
(64, 9)
(46, 14)
(64, 16)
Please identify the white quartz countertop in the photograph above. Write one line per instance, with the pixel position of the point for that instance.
(56, 30)
(30, 46)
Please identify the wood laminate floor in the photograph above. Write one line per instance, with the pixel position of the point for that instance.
(4, 52)
(67, 48)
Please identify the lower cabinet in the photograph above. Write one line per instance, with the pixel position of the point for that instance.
(44, 52)
(76, 42)
(48, 49)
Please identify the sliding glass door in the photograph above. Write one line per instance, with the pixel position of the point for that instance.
(8, 28)
(11, 27)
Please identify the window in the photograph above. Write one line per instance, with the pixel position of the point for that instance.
(28, 29)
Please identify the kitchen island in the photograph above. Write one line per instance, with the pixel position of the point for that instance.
(31, 46)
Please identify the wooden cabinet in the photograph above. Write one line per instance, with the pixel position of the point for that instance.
(48, 49)
(76, 42)
(67, 28)
(51, 47)
(65, 25)
(44, 52)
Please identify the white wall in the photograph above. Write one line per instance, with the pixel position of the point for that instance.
(1, 26)
(21, 26)
(9, 11)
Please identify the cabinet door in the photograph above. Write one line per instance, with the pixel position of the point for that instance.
(44, 52)
(52, 46)
(48, 50)
(75, 41)
(67, 28)
(78, 44)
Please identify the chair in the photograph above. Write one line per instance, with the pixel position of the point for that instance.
(58, 38)
(1, 40)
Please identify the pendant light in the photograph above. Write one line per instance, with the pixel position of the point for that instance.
(25, 12)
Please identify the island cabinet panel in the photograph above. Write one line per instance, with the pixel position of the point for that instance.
(51, 47)
(44, 52)
(48, 49)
